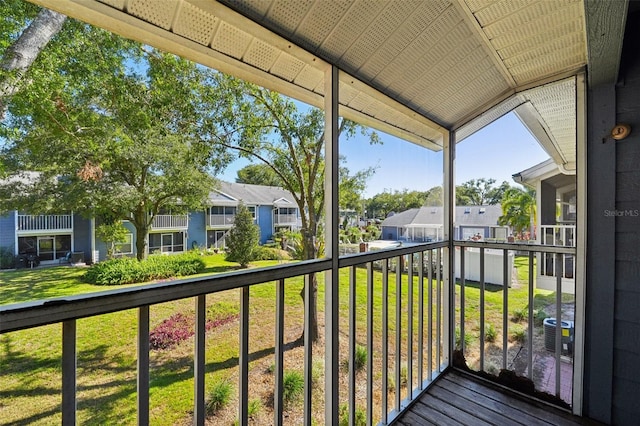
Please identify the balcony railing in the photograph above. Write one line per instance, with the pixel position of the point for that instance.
(45, 222)
(535, 333)
(170, 221)
(405, 336)
(286, 219)
(397, 303)
(558, 235)
(221, 219)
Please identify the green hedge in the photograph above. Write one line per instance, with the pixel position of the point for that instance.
(126, 270)
(270, 253)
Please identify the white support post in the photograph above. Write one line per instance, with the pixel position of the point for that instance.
(331, 144)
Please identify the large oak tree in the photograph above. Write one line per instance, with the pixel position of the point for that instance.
(114, 129)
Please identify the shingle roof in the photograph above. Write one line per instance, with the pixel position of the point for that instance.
(230, 193)
(465, 215)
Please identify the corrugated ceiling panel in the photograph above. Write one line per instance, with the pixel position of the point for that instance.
(354, 23)
(195, 24)
(320, 21)
(556, 105)
(261, 54)
(376, 34)
(530, 14)
(231, 40)
(440, 77)
(118, 4)
(554, 62)
(488, 117)
(256, 9)
(361, 101)
(420, 53)
(287, 67)
(310, 78)
(347, 93)
(288, 14)
(524, 44)
(560, 45)
(459, 103)
(543, 26)
(404, 36)
(497, 10)
(157, 12)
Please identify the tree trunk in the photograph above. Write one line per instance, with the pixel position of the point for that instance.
(142, 234)
(308, 241)
(21, 54)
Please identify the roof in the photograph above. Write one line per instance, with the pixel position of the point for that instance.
(549, 171)
(414, 69)
(231, 194)
(433, 216)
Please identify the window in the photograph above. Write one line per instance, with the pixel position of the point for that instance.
(125, 247)
(253, 211)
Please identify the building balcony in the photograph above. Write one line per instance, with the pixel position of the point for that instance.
(44, 223)
(169, 221)
(221, 220)
(398, 303)
(286, 220)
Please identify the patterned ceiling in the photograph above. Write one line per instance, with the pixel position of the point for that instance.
(412, 68)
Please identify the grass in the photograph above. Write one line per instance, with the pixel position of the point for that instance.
(30, 359)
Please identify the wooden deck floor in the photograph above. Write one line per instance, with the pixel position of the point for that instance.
(459, 399)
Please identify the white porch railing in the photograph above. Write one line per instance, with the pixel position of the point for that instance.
(557, 235)
(286, 219)
(221, 219)
(45, 222)
(170, 221)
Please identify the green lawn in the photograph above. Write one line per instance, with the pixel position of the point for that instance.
(30, 359)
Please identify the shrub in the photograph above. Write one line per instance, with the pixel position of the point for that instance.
(218, 397)
(7, 258)
(270, 253)
(538, 317)
(490, 333)
(467, 339)
(520, 314)
(254, 407)
(180, 327)
(518, 334)
(360, 357)
(126, 270)
(171, 331)
(292, 387)
(360, 417)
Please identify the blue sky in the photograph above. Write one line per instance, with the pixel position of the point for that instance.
(498, 151)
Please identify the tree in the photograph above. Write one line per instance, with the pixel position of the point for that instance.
(480, 192)
(115, 128)
(519, 209)
(258, 174)
(380, 205)
(19, 52)
(292, 146)
(111, 232)
(242, 239)
(351, 186)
